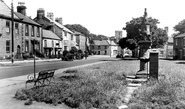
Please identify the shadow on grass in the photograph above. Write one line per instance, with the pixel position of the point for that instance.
(180, 62)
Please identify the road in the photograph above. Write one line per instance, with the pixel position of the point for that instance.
(27, 68)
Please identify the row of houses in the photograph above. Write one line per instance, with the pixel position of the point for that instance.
(48, 35)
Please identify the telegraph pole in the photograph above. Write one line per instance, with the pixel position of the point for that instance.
(34, 58)
(12, 16)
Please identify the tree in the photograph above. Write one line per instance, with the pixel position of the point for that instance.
(135, 34)
(78, 28)
(180, 27)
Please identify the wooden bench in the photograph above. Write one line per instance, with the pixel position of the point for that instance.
(42, 78)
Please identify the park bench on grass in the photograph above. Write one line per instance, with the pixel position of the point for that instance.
(42, 78)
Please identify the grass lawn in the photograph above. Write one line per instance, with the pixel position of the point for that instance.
(101, 86)
(167, 93)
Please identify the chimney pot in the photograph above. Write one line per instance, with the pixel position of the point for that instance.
(40, 13)
(21, 8)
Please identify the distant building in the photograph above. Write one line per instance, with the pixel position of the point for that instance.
(113, 48)
(100, 47)
(179, 46)
(27, 33)
(82, 41)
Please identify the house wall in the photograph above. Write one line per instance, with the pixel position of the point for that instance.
(19, 38)
(100, 49)
(179, 48)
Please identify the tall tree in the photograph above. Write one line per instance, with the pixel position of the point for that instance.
(78, 28)
(135, 34)
(180, 27)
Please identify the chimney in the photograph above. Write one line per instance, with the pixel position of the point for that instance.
(50, 15)
(40, 13)
(166, 29)
(21, 8)
(59, 20)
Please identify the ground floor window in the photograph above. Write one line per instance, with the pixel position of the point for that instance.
(26, 45)
(8, 46)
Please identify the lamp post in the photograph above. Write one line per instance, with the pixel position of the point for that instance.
(12, 19)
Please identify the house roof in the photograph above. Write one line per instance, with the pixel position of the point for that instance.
(100, 42)
(26, 19)
(181, 35)
(5, 10)
(50, 35)
(60, 25)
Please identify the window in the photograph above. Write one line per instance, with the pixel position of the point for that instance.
(65, 33)
(45, 43)
(26, 46)
(52, 43)
(65, 47)
(16, 28)
(105, 47)
(71, 36)
(32, 31)
(176, 42)
(98, 47)
(8, 46)
(26, 30)
(38, 32)
(8, 26)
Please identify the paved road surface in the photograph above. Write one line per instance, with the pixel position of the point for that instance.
(27, 68)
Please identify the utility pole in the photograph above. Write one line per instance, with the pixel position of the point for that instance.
(34, 58)
(86, 47)
(110, 47)
(12, 16)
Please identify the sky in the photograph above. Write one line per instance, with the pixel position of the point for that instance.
(106, 16)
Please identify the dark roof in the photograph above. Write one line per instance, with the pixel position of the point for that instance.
(181, 35)
(100, 42)
(50, 35)
(44, 22)
(26, 19)
(5, 10)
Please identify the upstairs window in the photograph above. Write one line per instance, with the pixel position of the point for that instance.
(176, 42)
(98, 47)
(32, 31)
(16, 28)
(8, 26)
(71, 36)
(65, 33)
(105, 47)
(52, 43)
(38, 32)
(26, 30)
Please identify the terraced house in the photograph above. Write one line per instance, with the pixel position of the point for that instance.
(48, 23)
(27, 32)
